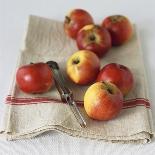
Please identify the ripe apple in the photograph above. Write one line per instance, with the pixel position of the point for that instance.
(75, 20)
(34, 78)
(103, 101)
(94, 38)
(119, 27)
(118, 74)
(83, 67)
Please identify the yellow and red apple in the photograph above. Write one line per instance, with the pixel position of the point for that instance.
(83, 67)
(75, 20)
(103, 101)
(118, 74)
(94, 38)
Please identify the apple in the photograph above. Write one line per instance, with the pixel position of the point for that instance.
(94, 38)
(103, 101)
(34, 78)
(119, 27)
(83, 67)
(75, 20)
(118, 74)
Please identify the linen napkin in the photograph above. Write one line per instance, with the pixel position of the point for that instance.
(28, 115)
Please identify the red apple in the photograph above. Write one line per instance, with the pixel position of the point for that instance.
(119, 27)
(118, 74)
(103, 101)
(94, 38)
(75, 20)
(83, 67)
(34, 78)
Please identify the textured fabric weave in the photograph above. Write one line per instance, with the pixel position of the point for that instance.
(30, 115)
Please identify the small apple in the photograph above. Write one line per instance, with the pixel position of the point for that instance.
(75, 20)
(34, 78)
(103, 101)
(94, 38)
(118, 74)
(83, 67)
(119, 27)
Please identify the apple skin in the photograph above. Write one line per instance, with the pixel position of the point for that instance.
(75, 20)
(118, 74)
(103, 101)
(94, 38)
(83, 67)
(120, 29)
(34, 78)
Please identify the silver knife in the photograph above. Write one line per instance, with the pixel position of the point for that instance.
(65, 93)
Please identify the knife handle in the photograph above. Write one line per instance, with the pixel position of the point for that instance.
(52, 64)
(59, 80)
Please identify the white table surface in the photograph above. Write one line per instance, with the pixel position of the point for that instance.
(13, 17)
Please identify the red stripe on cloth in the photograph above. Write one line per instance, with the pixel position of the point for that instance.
(26, 101)
(136, 102)
(37, 100)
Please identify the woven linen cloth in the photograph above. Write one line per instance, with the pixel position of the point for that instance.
(28, 115)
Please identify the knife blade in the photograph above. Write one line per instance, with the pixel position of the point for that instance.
(65, 93)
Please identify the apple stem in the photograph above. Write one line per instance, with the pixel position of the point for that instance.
(67, 19)
(76, 61)
(107, 87)
(116, 18)
(92, 37)
(110, 91)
